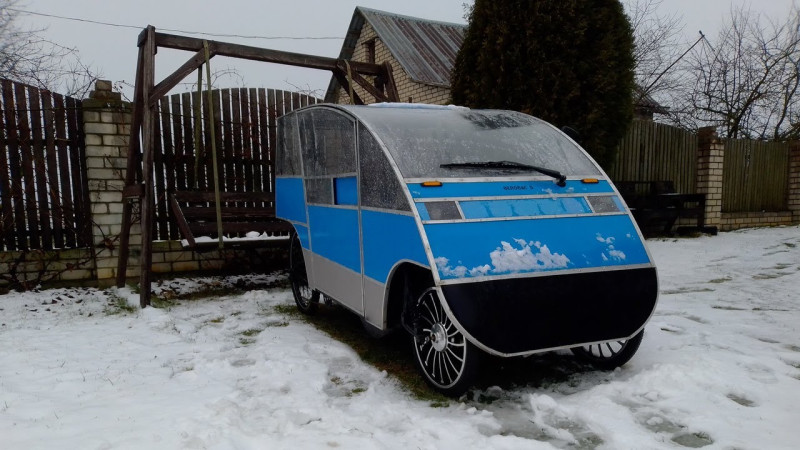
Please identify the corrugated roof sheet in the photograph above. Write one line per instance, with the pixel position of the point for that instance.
(426, 49)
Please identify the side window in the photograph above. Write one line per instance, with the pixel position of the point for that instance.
(327, 139)
(328, 142)
(288, 162)
(380, 187)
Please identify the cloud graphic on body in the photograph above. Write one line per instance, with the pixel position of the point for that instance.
(508, 258)
(610, 252)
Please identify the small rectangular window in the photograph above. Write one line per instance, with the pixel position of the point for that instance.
(288, 150)
(345, 191)
(443, 211)
(319, 190)
(369, 46)
(604, 204)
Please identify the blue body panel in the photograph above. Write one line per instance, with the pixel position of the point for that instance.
(474, 249)
(334, 235)
(505, 188)
(346, 191)
(290, 201)
(389, 238)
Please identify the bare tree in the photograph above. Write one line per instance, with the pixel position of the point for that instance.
(746, 81)
(658, 48)
(27, 57)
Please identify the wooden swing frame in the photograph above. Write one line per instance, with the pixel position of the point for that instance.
(139, 175)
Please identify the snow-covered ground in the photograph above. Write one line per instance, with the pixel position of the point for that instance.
(719, 368)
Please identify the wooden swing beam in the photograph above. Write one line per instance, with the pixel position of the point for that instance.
(139, 182)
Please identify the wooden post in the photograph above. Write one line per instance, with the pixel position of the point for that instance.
(131, 171)
(148, 201)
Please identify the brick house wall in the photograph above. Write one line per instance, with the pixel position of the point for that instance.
(408, 90)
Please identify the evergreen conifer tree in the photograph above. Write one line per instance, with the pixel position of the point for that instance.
(569, 62)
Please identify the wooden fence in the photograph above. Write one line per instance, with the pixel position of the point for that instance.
(755, 176)
(655, 152)
(244, 128)
(43, 186)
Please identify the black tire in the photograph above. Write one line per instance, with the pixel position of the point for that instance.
(609, 355)
(307, 299)
(448, 362)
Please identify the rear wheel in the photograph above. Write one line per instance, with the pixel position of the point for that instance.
(609, 355)
(448, 362)
(307, 299)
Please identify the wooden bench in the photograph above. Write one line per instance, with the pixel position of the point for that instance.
(656, 206)
(242, 213)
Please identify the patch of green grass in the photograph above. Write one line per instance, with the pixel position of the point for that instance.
(358, 390)
(251, 332)
(219, 319)
(118, 305)
(246, 341)
(163, 303)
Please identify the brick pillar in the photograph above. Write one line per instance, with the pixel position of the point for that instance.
(107, 127)
(710, 158)
(793, 202)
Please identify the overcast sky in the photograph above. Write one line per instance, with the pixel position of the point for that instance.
(111, 50)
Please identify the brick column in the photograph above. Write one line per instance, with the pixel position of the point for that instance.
(107, 127)
(793, 201)
(710, 158)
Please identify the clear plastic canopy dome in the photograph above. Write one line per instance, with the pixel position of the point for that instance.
(421, 138)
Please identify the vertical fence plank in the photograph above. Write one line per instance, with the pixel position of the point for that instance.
(16, 204)
(180, 142)
(267, 142)
(7, 241)
(80, 184)
(56, 211)
(169, 163)
(40, 169)
(28, 184)
(190, 152)
(229, 161)
(62, 151)
(246, 155)
(160, 222)
(255, 143)
(272, 120)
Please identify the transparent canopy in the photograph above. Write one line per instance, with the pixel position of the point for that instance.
(422, 138)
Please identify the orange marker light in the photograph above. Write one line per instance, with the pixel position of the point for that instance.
(590, 181)
(431, 183)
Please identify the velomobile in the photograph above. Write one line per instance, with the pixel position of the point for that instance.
(477, 231)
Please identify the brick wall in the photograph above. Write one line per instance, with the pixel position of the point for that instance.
(107, 129)
(710, 159)
(793, 201)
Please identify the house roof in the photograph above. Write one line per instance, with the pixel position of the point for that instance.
(425, 49)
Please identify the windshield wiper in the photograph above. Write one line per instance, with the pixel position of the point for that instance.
(561, 180)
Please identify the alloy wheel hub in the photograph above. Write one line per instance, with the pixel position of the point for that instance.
(438, 337)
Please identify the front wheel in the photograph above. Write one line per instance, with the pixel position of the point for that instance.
(448, 362)
(609, 355)
(307, 299)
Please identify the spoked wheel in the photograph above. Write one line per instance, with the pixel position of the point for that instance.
(442, 353)
(307, 299)
(609, 355)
